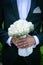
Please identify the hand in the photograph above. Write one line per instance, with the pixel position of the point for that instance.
(24, 42)
(18, 42)
(14, 40)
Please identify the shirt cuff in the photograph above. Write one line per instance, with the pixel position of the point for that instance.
(9, 41)
(36, 40)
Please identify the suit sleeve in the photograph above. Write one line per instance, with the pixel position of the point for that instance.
(3, 34)
(40, 35)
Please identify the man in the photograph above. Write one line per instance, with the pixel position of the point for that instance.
(10, 11)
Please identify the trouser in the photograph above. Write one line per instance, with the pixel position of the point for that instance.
(22, 61)
(10, 57)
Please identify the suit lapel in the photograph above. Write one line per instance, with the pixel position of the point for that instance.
(15, 9)
(33, 5)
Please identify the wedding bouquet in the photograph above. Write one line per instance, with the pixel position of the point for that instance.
(21, 28)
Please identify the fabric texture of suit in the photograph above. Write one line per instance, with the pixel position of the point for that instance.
(9, 13)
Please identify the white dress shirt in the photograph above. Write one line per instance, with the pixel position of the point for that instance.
(23, 10)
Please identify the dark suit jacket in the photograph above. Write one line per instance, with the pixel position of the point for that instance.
(9, 13)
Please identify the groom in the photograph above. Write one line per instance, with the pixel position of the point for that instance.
(10, 11)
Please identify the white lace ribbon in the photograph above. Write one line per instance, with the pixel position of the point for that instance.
(25, 51)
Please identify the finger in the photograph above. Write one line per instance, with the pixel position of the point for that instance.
(23, 46)
(26, 46)
(19, 44)
(20, 40)
(13, 40)
(22, 43)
